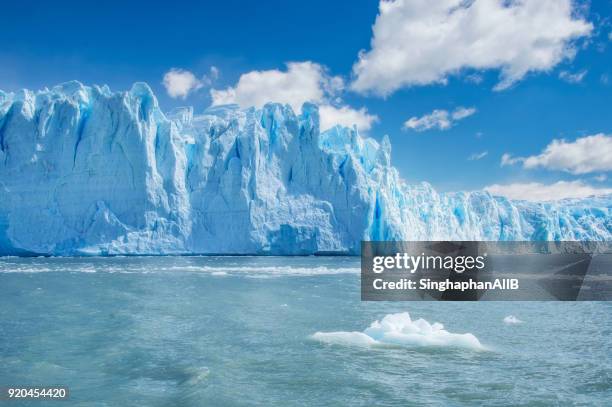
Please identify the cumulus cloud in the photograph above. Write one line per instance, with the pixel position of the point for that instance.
(478, 156)
(537, 192)
(300, 82)
(419, 42)
(438, 119)
(346, 116)
(584, 155)
(569, 77)
(179, 83)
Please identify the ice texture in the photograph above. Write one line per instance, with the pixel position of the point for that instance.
(84, 170)
(400, 330)
(512, 320)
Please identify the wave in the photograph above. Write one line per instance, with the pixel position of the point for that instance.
(270, 270)
(220, 270)
(400, 330)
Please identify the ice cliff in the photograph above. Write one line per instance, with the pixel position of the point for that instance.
(84, 170)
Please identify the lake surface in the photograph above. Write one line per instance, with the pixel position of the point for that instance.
(238, 331)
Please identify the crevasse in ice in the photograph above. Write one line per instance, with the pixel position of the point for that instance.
(84, 170)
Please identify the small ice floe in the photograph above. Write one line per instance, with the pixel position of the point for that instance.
(512, 320)
(400, 330)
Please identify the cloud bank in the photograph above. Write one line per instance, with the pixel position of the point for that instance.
(420, 42)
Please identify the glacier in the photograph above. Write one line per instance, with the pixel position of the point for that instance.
(88, 171)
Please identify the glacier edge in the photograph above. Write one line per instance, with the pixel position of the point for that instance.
(84, 170)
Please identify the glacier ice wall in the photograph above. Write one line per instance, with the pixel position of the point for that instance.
(84, 170)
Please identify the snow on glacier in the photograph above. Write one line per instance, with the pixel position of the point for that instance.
(84, 170)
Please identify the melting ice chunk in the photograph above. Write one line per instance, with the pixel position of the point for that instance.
(400, 330)
(512, 320)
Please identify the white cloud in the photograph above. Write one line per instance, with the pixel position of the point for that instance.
(419, 42)
(585, 155)
(346, 116)
(438, 119)
(461, 113)
(179, 83)
(507, 159)
(601, 177)
(301, 82)
(537, 192)
(478, 156)
(569, 77)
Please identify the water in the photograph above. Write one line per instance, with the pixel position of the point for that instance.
(237, 331)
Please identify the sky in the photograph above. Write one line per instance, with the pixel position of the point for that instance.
(511, 96)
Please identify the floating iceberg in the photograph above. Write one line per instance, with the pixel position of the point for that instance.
(400, 330)
(84, 170)
(512, 320)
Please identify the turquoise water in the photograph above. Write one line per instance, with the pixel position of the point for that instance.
(237, 331)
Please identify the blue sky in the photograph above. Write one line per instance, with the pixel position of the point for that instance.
(550, 96)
